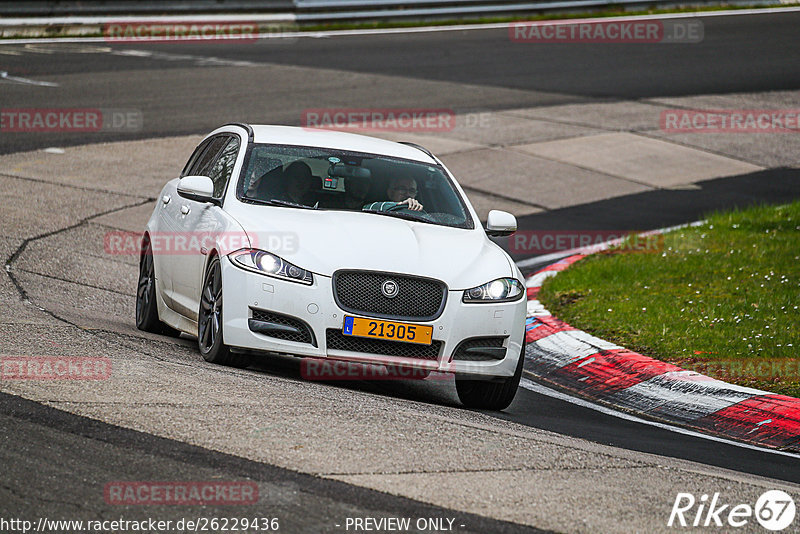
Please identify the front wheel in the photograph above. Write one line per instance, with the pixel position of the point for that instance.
(483, 395)
(209, 322)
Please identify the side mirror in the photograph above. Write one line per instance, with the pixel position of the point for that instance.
(199, 188)
(500, 223)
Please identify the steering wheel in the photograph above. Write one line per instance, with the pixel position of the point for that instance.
(398, 207)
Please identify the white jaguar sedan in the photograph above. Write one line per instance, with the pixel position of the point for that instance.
(336, 246)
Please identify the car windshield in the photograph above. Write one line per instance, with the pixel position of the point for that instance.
(327, 179)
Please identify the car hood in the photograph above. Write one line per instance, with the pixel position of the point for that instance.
(326, 241)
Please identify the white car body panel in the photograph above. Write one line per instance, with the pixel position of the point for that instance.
(330, 240)
(457, 322)
(326, 241)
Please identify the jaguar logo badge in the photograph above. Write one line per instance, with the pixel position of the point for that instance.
(390, 289)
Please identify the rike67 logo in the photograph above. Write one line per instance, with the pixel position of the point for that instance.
(774, 510)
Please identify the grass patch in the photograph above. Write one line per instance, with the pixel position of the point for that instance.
(721, 298)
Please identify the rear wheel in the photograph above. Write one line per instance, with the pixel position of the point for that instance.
(146, 307)
(209, 322)
(483, 395)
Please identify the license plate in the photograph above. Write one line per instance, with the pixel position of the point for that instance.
(377, 329)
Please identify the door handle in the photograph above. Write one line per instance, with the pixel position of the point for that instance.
(185, 210)
(165, 199)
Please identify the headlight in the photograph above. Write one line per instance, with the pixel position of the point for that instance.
(269, 264)
(500, 290)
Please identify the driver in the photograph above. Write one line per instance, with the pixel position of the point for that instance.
(401, 192)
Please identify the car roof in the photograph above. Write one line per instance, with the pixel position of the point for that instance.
(292, 135)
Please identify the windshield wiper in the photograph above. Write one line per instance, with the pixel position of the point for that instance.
(400, 215)
(277, 202)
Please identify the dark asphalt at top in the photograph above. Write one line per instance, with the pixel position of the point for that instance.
(739, 53)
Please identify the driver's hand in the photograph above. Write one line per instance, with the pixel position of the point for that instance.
(412, 203)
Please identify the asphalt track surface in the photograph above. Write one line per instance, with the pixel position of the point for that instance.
(740, 53)
(737, 54)
(80, 453)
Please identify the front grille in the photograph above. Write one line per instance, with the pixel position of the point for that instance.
(418, 299)
(338, 341)
(462, 354)
(305, 335)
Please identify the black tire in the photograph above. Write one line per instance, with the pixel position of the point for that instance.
(209, 322)
(484, 395)
(146, 306)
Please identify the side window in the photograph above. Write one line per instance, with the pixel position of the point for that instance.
(195, 156)
(222, 168)
(203, 163)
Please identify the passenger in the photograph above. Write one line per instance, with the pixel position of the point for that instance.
(298, 184)
(265, 173)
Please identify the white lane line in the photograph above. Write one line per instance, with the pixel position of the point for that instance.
(543, 390)
(133, 53)
(200, 61)
(16, 79)
(430, 29)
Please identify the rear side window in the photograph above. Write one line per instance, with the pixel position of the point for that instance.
(222, 168)
(201, 148)
(202, 164)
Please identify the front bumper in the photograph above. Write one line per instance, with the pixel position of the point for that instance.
(315, 306)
